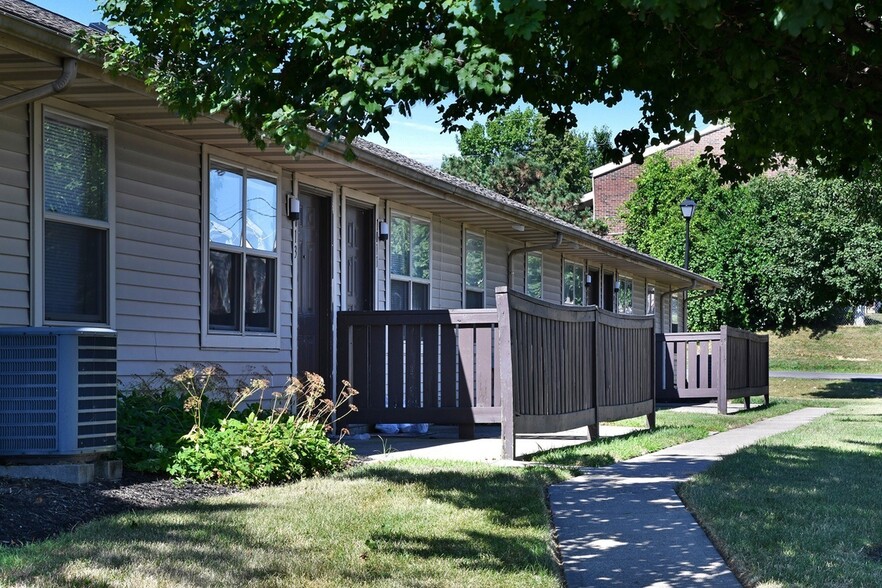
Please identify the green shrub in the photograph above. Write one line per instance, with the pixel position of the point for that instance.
(151, 420)
(266, 446)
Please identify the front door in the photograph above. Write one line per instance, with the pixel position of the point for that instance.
(359, 257)
(608, 294)
(314, 282)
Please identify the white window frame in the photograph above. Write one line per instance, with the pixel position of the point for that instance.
(563, 281)
(241, 339)
(537, 254)
(74, 114)
(410, 280)
(618, 304)
(465, 252)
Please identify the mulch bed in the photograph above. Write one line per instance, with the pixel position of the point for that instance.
(34, 510)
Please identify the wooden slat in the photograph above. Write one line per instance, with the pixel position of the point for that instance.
(449, 366)
(431, 390)
(484, 359)
(395, 361)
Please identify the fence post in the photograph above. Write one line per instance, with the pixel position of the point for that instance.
(506, 377)
(723, 380)
(650, 418)
(594, 430)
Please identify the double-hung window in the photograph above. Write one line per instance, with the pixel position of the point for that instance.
(534, 275)
(242, 251)
(77, 237)
(475, 271)
(410, 253)
(573, 283)
(625, 300)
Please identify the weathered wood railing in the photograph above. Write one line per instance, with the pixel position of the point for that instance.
(435, 366)
(535, 367)
(691, 366)
(568, 367)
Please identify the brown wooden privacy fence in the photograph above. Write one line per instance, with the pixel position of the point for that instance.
(435, 366)
(563, 367)
(691, 365)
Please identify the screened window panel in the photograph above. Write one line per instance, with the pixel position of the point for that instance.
(224, 290)
(400, 247)
(260, 230)
(419, 296)
(225, 206)
(75, 175)
(420, 250)
(259, 290)
(474, 262)
(400, 295)
(76, 276)
(474, 299)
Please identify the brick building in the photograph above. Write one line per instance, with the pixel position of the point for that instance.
(614, 182)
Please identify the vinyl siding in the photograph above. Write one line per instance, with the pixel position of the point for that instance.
(552, 287)
(447, 270)
(158, 261)
(14, 217)
(497, 249)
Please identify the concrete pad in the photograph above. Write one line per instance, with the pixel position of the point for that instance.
(443, 444)
(624, 525)
(70, 473)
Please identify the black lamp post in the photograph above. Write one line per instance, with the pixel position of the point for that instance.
(688, 209)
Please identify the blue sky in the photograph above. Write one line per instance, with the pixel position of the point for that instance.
(419, 136)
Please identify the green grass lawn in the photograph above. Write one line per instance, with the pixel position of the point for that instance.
(847, 349)
(672, 428)
(802, 509)
(414, 523)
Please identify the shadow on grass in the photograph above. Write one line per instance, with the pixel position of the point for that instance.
(186, 545)
(778, 510)
(507, 496)
(844, 390)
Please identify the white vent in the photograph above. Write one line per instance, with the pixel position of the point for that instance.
(57, 391)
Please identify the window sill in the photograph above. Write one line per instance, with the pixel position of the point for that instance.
(267, 342)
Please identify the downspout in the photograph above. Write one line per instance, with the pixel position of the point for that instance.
(520, 250)
(68, 75)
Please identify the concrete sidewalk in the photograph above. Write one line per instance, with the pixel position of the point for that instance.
(623, 525)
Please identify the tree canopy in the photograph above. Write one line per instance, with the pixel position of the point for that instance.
(515, 155)
(793, 250)
(795, 78)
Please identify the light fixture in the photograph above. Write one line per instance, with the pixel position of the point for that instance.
(293, 208)
(383, 233)
(687, 207)
(588, 281)
(518, 228)
(617, 286)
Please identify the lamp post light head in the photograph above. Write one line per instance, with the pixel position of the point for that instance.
(687, 207)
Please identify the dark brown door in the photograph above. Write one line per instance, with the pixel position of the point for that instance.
(593, 291)
(608, 294)
(314, 282)
(359, 258)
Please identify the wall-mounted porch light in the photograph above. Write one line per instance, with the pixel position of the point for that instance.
(293, 208)
(383, 232)
(588, 281)
(617, 286)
